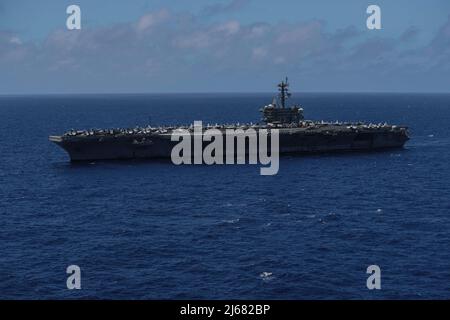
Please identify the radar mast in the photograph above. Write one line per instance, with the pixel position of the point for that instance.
(283, 87)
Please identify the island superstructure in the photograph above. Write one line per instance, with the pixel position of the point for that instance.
(296, 135)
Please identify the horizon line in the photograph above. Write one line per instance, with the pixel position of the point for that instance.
(213, 92)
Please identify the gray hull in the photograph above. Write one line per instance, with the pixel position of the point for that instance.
(295, 140)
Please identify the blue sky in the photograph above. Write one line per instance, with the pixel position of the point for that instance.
(223, 45)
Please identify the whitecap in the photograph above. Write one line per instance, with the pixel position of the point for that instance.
(265, 276)
(231, 220)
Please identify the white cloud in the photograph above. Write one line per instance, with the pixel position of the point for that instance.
(161, 46)
(152, 19)
(229, 28)
(15, 40)
(259, 53)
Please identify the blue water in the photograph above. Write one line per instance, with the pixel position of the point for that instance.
(152, 230)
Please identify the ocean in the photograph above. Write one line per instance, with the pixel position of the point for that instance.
(153, 230)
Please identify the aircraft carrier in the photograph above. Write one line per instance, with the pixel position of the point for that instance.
(296, 135)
